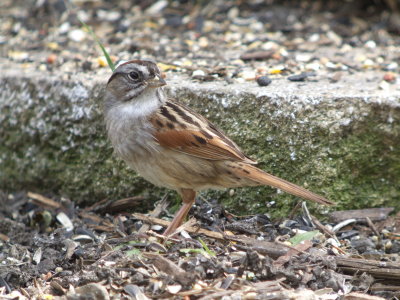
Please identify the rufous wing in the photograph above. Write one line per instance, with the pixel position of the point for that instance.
(180, 129)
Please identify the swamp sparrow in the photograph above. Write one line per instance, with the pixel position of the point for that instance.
(174, 147)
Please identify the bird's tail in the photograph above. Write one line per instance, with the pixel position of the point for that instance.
(263, 178)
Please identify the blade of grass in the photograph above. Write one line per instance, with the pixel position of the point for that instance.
(106, 55)
(210, 252)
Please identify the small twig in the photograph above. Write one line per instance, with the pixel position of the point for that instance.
(374, 229)
(44, 201)
(190, 223)
(162, 237)
(294, 210)
(191, 229)
(323, 228)
(13, 265)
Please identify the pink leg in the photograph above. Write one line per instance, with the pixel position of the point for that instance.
(188, 197)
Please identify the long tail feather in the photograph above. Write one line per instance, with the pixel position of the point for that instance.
(264, 178)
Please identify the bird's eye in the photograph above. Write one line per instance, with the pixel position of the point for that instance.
(134, 75)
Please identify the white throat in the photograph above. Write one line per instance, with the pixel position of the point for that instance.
(142, 106)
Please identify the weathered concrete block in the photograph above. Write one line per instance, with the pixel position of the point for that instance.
(338, 139)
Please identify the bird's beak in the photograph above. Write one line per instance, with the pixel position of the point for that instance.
(156, 82)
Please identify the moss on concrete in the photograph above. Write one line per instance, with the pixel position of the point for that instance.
(345, 149)
(53, 140)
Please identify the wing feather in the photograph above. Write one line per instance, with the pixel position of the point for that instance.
(181, 129)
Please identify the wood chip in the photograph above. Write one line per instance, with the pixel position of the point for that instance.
(378, 269)
(170, 268)
(273, 250)
(375, 214)
(115, 206)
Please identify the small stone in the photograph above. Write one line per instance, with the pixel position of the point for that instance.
(254, 45)
(157, 7)
(52, 46)
(87, 65)
(51, 59)
(77, 35)
(134, 291)
(368, 63)
(301, 77)
(363, 244)
(156, 227)
(388, 245)
(303, 57)
(374, 238)
(18, 55)
(389, 77)
(313, 66)
(64, 28)
(346, 48)
(257, 26)
(174, 289)
(336, 76)
(333, 242)
(392, 66)
(314, 38)
(348, 234)
(334, 37)
(203, 42)
(233, 13)
(248, 75)
(198, 73)
(270, 45)
(379, 60)
(109, 16)
(331, 65)
(42, 67)
(263, 80)
(370, 44)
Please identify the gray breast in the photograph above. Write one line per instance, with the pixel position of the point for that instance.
(130, 138)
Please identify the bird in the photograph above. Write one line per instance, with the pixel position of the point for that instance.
(172, 146)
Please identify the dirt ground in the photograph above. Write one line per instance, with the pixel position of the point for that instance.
(50, 248)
